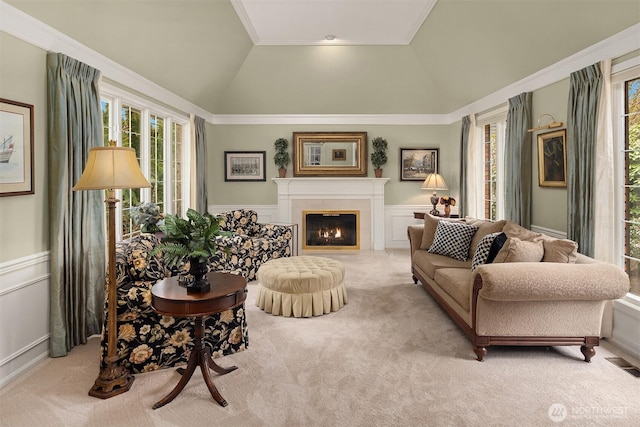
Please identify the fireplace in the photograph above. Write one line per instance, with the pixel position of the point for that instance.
(365, 195)
(331, 229)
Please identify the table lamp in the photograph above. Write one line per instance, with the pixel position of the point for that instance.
(111, 168)
(435, 182)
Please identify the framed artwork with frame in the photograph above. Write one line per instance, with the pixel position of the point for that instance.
(16, 148)
(244, 166)
(417, 163)
(339, 154)
(552, 159)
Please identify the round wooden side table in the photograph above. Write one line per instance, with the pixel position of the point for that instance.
(169, 298)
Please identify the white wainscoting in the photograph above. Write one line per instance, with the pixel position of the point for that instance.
(626, 325)
(24, 315)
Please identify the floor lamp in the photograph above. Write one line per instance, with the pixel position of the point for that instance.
(111, 168)
(435, 182)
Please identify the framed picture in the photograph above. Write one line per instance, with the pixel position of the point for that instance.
(552, 159)
(16, 148)
(244, 166)
(417, 163)
(339, 154)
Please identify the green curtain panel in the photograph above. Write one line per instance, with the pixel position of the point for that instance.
(76, 218)
(582, 124)
(201, 164)
(464, 160)
(517, 166)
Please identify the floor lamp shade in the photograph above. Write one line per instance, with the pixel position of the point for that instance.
(435, 182)
(111, 168)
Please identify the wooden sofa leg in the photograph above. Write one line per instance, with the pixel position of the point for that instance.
(415, 280)
(481, 352)
(588, 352)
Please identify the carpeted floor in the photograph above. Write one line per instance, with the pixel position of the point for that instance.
(390, 357)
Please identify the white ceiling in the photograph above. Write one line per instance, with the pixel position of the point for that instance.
(352, 22)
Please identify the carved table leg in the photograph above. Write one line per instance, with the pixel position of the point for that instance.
(186, 376)
(481, 352)
(588, 352)
(199, 356)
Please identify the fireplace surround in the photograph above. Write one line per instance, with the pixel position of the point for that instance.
(365, 195)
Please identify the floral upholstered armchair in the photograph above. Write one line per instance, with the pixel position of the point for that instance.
(147, 340)
(251, 243)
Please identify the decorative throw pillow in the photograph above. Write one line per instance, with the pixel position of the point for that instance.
(482, 250)
(430, 225)
(512, 229)
(516, 250)
(559, 250)
(429, 231)
(452, 239)
(497, 244)
(484, 227)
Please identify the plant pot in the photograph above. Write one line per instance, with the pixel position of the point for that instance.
(378, 173)
(198, 269)
(282, 172)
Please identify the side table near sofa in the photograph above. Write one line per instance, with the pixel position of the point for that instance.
(170, 299)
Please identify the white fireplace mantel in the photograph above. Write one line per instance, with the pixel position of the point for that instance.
(335, 188)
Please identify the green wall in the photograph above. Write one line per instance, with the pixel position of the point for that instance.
(222, 138)
(24, 229)
(548, 204)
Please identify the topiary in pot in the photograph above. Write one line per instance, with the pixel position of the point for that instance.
(379, 155)
(281, 158)
(193, 239)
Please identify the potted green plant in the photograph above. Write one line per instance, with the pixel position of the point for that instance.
(281, 158)
(379, 154)
(193, 239)
(147, 216)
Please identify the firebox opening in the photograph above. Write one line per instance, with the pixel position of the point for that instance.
(331, 229)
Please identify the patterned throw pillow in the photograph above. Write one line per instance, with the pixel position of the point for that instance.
(496, 246)
(452, 239)
(482, 250)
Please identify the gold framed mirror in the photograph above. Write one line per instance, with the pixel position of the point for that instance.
(330, 154)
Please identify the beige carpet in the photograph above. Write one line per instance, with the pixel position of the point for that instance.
(389, 357)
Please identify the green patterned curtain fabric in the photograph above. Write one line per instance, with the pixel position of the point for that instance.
(77, 229)
(201, 164)
(582, 123)
(518, 161)
(464, 161)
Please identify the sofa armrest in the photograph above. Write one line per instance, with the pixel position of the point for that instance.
(414, 232)
(544, 281)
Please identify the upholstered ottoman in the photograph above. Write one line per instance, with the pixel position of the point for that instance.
(301, 286)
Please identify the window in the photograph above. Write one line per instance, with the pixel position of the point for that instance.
(158, 137)
(631, 189)
(491, 128)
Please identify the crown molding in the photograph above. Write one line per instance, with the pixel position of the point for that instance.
(29, 29)
(612, 47)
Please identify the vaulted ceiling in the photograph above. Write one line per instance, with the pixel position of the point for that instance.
(388, 56)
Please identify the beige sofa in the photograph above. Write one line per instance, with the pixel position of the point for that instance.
(537, 291)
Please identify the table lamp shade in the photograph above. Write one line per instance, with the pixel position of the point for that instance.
(111, 168)
(434, 181)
